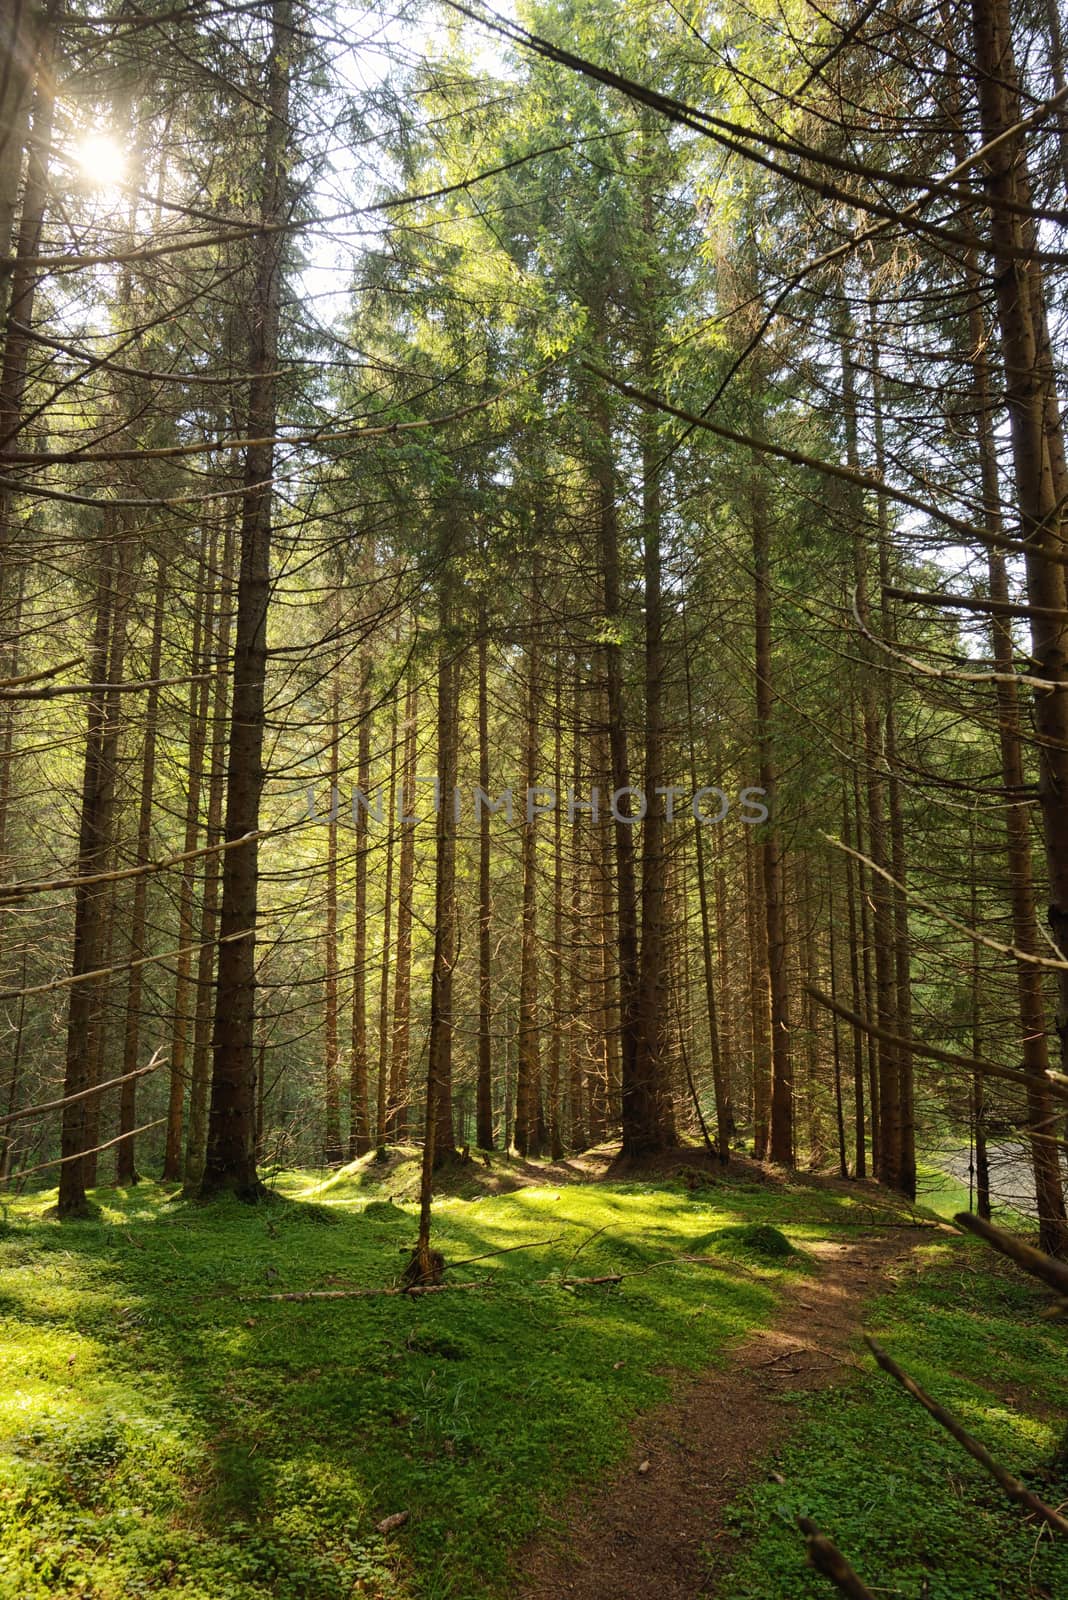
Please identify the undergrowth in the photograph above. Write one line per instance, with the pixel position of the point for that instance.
(913, 1514)
(165, 1429)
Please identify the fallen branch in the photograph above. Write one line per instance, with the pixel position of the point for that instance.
(1012, 1486)
(362, 1294)
(828, 1560)
(467, 1260)
(590, 1237)
(1036, 1262)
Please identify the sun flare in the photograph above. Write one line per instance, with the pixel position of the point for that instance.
(101, 160)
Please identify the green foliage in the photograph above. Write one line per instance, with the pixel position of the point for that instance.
(162, 1429)
(900, 1498)
(754, 1239)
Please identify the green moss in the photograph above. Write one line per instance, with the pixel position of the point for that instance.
(879, 1476)
(753, 1239)
(164, 1428)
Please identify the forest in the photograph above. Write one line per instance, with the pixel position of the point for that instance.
(533, 799)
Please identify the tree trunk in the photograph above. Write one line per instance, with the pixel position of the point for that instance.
(580, 992)
(26, 44)
(484, 1101)
(528, 1083)
(90, 900)
(200, 1077)
(196, 741)
(556, 1142)
(397, 1119)
(1036, 439)
(782, 1087)
(906, 1112)
(359, 1088)
(638, 1133)
(331, 1047)
(439, 1141)
(230, 1162)
(720, 1085)
(125, 1159)
(759, 998)
(859, 1001)
(888, 1164)
(382, 1079)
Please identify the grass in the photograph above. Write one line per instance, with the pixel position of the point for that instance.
(903, 1502)
(163, 1431)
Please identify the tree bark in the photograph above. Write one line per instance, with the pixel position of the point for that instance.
(782, 1086)
(484, 1100)
(359, 1087)
(200, 1077)
(1036, 438)
(382, 1078)
(230, 1162)
(439, 1145)
(125, 1157)
(397, 1118)
(90, 900)
(528, 1083)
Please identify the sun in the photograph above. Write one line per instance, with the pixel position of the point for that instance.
(101, 160)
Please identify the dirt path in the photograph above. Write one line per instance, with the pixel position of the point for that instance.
(641, 1536)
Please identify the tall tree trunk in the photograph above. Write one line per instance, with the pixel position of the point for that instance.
(580, 993)
(556, 1045)
(382, 1078)
(635, 1103)
(978, 1089)
(125, 1159)
(230, 1162)
(858, 1001)
(196, 741)
(484, 1100)
(18, 292)
(1023, 408)
(528, 1083)
(331, 1047)
(90, 900)
(865, 897)
(759, 997)
(888, 1166)
(843, 1160)
(782, 1085)
(200, 1077)
(720, 1086)
(906, 1111)
(648, 1111)
(439, 1147)
(25, 41)
(1036, 438)
(359, 1087)
(726, 1019)
(402, 987)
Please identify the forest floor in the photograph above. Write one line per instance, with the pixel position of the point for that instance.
(650, 1530)
(170, 1426)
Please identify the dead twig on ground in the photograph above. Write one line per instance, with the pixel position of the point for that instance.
(1012, 1486)
(828, 1560)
